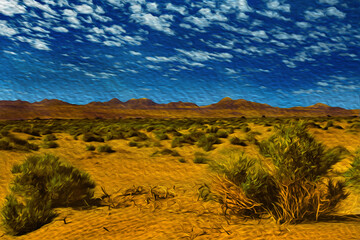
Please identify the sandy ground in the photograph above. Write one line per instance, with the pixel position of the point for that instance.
(179, 217)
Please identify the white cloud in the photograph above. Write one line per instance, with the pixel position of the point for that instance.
(303, 24)
(333, 11)
(330, 2)
(319, 13)
(115, 30)
(313, 15)
(272, 14)
(200, 22)
(241, 5)
(6, 30)
(323, 84)
(84, 9)
(150, 66)
(99, 10)
(74, 21)
(39, 44)
(135, 53)
(11, 7)
(69, 13)
(207, 13)
(162, 59)
(152, 7)
(308, 91)
(136, 8)
(289, 64)
(201, 56)
(35, 43)
(35, 4)
(60, 29)
(112, 43)
(284, 36)
(39, 29)
(101, 18)
(179, 9)
(275, 5)
(157, 23)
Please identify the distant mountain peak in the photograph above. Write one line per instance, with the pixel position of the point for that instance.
(52, 102)
(115, 101)
(226, 99)
(320, 105)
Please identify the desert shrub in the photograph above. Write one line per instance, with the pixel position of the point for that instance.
(52, 179)
(105, 148)
(50, 137)
(245, 129)
(19, 218)
(114, 135)
(49, 144)
(182, 160)
(149, 129)
(133, 144)
(353, 174)
(237, 141)
(176, 142)
(222, 133)
(90, 147)
(295, 189)
(206, 142)
(296, 153)
(166, 151)
(161, 135)
(251, 137)
(13, 143)
(91, 137)
(355, 126)
(200, 158)
(328, 124)
(5, 144)
(212, 129)
(313, 125)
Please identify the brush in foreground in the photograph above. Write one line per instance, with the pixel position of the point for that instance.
(293, 188)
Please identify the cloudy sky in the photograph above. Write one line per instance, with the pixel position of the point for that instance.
(280, 52)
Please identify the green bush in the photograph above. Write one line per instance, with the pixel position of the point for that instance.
(90, 137)
(19, 218)
(207, 141)
(105, 148)
(161, 136)
(50, 137)
(200, 158)
(5, 144)
(296, 154)
(222, 133)
(237, 141)
(49, 144)
(90, 147)
(51, 179)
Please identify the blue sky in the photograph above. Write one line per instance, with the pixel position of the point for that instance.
(280, 52)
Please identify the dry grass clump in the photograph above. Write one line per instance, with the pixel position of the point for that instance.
(353, 174)
(293, 189)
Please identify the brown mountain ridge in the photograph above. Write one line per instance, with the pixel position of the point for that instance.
(146, 108)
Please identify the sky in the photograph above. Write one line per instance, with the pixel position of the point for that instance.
(280, 52)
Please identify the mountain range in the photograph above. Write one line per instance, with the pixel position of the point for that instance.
(146, 108)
